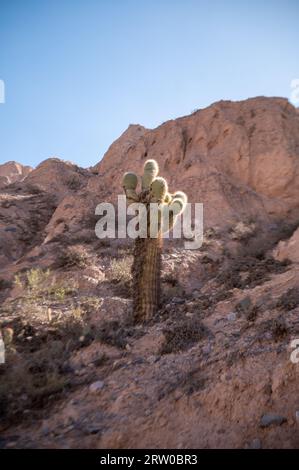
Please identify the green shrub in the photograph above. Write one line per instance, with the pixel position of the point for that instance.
(73, 256)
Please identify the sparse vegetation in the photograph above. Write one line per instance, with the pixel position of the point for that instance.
(44, 344)
(182, 335)
(33, 280)
(5, 284)
(73, 256)
(36, 379)
(243, 231)
(120, 270)
(279, 328)
(74, 182)
(36, 279)
(117, 333)
(289, 300)
(247, 309)
(40, 284)
(249, 271)
(113, 333)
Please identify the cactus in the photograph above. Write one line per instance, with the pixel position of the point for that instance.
(167, 198)
(158, 189)
(130, 181)
(180, 195)
(146, 268)
(150, 171)
(129, 184)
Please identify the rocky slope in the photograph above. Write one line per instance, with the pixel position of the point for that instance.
(239, 158)
(11, 172)
(213, 369)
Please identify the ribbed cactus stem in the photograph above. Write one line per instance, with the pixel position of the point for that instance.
(150, 172)
(146, 277)
(158, 189)
(146, 268)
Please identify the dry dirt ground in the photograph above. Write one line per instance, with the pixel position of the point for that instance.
(212, 370)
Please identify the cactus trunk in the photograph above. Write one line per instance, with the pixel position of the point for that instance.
(146, 269)
(146, 274)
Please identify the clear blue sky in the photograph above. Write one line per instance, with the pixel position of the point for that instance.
(78, 72)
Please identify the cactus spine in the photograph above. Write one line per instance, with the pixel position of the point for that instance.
(146, 268)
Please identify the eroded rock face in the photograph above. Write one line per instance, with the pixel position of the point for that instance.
(241, 159)
(22, 221)
(12, 172)
(57, 177)
(27, 204)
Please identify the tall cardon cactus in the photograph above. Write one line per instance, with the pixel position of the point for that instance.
(146, 268)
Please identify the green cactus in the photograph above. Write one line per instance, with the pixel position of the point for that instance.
(129, 184)
(146, 268)
(150, 171)
(167, 198)
(180, 195)
(158, 189)
(130, 181)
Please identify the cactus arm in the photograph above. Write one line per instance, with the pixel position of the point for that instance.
(158, 189)
(177, 206)
(180, 195)
(129, 181)
(129, 184)
(131, 195)
(167, 198)
(150, 171)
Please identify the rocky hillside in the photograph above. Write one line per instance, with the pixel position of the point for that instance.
(239, 158)
(213, 369)
(11, 172)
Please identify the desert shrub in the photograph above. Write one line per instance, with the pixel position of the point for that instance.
(5, 284)
(120, 270)
(37, 378)
(279, 328)
(73, 256)
(289, 300)
(112, 333)
(247, 309)
(60, 291)
(39, 285)
(91, 303)
(243, 231)
(33, 279)
(117, 333)
(74, 182)
(249, 271)
(182, 334)
(72, 325)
